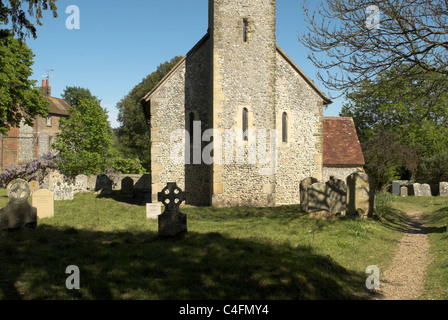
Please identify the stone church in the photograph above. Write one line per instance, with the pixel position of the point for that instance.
(237, 78)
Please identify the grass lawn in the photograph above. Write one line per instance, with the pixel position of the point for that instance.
(228, 253)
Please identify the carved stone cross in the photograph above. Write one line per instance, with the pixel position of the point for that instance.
(172, 221)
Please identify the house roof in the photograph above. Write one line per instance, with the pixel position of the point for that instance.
(341, 143)
(57, 106)
(149, 95)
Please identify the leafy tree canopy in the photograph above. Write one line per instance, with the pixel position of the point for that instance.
(19, 98)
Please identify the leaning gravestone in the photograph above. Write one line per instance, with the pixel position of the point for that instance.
(43, 200)
(18, 214)
(304, 186)
(443, 189)
(172, 222)
(361, 196)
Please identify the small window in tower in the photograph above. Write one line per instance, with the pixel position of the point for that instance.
(285, 127)
(245, 124)
(49, 121)
(245, 25)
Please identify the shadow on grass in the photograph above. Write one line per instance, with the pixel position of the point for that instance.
(137, 199)
(391, 218)
(142, 266)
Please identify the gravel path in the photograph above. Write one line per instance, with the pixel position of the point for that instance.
(404, 279)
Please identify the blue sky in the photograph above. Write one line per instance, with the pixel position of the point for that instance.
(120, 42)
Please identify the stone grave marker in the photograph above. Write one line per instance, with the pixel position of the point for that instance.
(305, 184)
(417, 189)
(127, 187)
(337, 196)
(43, 200)
(18, 214)
(172, 222)
(443, 189)
(361, 196)
(81, 183)
(104, 184)
(317, 197)
(62, 189)
(153, 210)
(396, 188)
(426, 190)
(404, 191)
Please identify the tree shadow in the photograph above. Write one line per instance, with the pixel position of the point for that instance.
(141, 266)
(138, 198)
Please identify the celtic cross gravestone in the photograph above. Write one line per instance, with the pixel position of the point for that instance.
(172, 222)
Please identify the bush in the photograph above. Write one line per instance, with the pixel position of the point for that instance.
(35, 170)
(433, 169)
(127, 166)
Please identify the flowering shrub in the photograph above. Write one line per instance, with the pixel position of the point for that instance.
(35, 170)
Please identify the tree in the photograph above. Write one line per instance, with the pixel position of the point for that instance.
(19, 98)
(411, 32)
(85, 140)
(11, 11)
(74, 95)
(133, 133)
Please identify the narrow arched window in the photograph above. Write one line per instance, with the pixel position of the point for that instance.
(245, 25)
(191, 124)
(245, 124)
(285, 127)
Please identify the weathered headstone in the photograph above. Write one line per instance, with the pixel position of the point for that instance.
(361, 196)
(444, 189)
(127, 187)
(153, 210)
(426, 190)
(417, 189)
(404, 192)
(396, 188)
(304, 186)
(34, 186)
(18, 214)
(104, 184)
(43, 200)
(337, 196)
(172, 222)
(81, 183)
(62, 188)
(317, 197)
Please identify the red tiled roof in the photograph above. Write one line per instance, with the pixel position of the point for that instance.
(341, 143)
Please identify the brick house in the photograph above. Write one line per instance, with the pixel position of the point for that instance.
(25, 143)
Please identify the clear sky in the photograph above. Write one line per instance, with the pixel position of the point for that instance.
(120, 42)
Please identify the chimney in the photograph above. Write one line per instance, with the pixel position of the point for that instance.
(47, 88)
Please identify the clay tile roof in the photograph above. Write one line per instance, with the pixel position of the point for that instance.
(58, 106)
(341, 143)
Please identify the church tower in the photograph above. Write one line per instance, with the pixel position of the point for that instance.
(243, 49)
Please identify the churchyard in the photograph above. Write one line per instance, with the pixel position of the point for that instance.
(227, 253)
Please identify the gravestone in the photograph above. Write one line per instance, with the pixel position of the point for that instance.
(304, 186)
(317, 197)
(43, 200)
(81, 183)
(61, 188)
(404, 191)
(396, 188)
(417, 189)
(172, 222)
(360, 195)
(18, 214)
(337, 196)
(104, 184)
(426, 190)
(34, 186)
(127, 187)
(153, 210)
(443, 189)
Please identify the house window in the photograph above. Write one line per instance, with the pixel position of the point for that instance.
(49, 121)
(245, 124)
(285, 127)
(245, 28)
